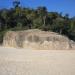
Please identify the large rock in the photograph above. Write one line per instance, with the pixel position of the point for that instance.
(37, 39)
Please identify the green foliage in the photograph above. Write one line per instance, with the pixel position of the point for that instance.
(1, 35)
(16, 3)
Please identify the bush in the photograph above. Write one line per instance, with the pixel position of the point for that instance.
(2, 35)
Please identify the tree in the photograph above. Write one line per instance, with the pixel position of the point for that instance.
(1, 24)
(58, 25)
(53, 15)
(72, 25)
(5, 17)
(66, 16)
(42, 11)
(16, 3)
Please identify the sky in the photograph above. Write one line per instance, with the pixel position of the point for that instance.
(64, 6)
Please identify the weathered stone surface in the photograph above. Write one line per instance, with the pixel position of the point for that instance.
(37, 39)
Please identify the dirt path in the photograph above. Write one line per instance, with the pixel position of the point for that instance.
(32, 62)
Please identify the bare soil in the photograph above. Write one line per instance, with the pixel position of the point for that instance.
(36, 62)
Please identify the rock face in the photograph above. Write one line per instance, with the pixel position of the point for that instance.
(37, 39)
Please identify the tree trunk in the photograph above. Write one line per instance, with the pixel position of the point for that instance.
(44, 20)
(60, 31)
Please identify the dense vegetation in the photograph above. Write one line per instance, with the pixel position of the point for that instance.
(19, 18)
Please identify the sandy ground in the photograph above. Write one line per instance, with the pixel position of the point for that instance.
(36, 62)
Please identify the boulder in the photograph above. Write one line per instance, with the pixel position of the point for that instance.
(37, 39)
